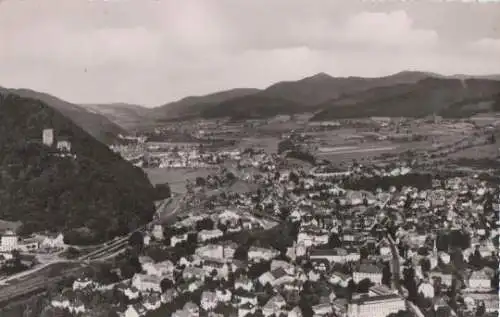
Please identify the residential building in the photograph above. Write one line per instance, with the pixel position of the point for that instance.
(64, 146)
(9, 241)
(178, 239)
(261, 254)
(375, 306)
(337, 255)
(160, 269)
(209, 300)
(480, 281)
(205, 235)
(147, 283)
(275, 305)
(367, 271)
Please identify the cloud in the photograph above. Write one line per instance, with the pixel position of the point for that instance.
(151, 52)
(486, 45)
(393, 29)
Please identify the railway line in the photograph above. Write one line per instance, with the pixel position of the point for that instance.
(34, 285)
(38, 282)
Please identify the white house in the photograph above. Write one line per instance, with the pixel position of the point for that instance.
(261, 254)
(322, 309)
(208, 300)
(9, 241)
(341, 279)
(224, 295)
(178, 239)
(64, 146)
(375, 306)
(312, 238)
(53, 242)
(160, 269)
(157, 232)
(426, 289)
(60, 302)
(480, 281)
(216, 251)
(152, 302)
(145, 283)
(337, 255)
(205, 235)
(131, 292)
(385, 248)
(244, 283)
(82, 283)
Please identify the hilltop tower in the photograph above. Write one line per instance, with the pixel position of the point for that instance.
(48, 137)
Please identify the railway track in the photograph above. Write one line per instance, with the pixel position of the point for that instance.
(32, 286)
(38, 282)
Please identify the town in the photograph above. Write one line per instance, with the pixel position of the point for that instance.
(249, 158)
(264, 235)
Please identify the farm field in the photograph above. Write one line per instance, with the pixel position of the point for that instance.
(176, 177)
(367, 150)
(268, 144)
(490, 151)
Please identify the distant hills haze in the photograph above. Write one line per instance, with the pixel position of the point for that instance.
(407, 93)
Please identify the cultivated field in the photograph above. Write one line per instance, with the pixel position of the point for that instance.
(268, 144)
(176, 177)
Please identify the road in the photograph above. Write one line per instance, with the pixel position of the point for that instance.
(39, 282)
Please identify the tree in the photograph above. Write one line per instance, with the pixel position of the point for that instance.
(166, 284)
(494, 281)
(258, 269)
(425, 264)
(136, 240)
(285, 145)
(241, 253)
(230, 176)
(163, 191)
(351, 288)
(130, 267)
(481, 309)
(205, 224)
(386, 274)
(364, 285)
(306, 307)
(200, 181)
(334, 241)
(294, 178)
(492, 139)
(284, 212)
(475, 259)
(363, 252)
(409, 282)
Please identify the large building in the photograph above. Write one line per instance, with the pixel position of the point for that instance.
(368, 271)
(9, 241)
(375, 306)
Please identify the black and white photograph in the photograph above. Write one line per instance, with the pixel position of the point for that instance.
(249, 158)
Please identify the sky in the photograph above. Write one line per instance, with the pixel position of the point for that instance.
(151, 52)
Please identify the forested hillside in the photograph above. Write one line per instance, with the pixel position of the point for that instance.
(97, 125)
(97, 194)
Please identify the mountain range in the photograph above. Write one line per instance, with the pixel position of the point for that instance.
(407, 93)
